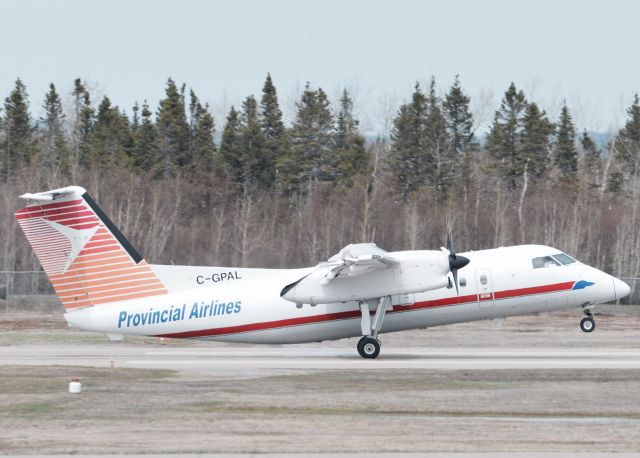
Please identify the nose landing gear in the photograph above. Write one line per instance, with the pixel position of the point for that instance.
(588, 324)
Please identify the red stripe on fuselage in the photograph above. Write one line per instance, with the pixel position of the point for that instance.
(534, 290)
(268, 325)
(444, 302)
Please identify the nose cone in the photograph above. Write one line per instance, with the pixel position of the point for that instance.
(621, 288)
(457, 261)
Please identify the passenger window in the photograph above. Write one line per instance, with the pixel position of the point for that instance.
(564, 258)
(483, 279)
(544, 261)
(463, 282)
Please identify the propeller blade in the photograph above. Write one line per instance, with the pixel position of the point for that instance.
(450, 241)
(454, 272)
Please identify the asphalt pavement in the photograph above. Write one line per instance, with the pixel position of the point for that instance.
(300, 357)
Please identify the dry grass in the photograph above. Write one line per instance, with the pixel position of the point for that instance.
(141, 411)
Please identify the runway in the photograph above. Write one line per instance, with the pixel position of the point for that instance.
(314, 357)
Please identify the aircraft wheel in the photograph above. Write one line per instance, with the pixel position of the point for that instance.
(587, 324)
(368, 347)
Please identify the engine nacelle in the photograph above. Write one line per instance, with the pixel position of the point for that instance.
(413, 272)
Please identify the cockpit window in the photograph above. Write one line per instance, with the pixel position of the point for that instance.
(544, 261)
(564, 259)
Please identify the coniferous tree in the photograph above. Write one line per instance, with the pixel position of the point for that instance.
(441, 167)
(257, 165)
(274, 132)
(535, 141)
(592, 160)
(503, 141)
(144, 152)
(195, 110)
(459, 123)
(172, 130)
(54, 145)
(111, 137)
(230, 162)
(135, 119)
(84, 115)
(616, 180)
(627, 151)
(409, 154)
(566, 155)
(630, 133)
(310, 159)
(201, 130)
(350, 152)
(17, 138)
(459, 119)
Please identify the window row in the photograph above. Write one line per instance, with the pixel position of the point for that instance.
(560, 259)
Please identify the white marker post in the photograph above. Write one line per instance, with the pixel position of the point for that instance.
(74, 386)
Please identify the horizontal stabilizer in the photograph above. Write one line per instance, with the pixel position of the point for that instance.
(48, 196)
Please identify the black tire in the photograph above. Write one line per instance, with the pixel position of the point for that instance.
(368, 347)
(587, 324)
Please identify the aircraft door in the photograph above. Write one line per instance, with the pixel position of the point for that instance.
(485, 288)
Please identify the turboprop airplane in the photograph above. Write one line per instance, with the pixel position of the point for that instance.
(106, 286)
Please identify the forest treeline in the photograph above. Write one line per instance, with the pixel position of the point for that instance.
(273, 194)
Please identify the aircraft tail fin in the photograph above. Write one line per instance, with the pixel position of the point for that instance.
(85, 256)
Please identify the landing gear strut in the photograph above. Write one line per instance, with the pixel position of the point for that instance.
(369, 345)
(588, 324)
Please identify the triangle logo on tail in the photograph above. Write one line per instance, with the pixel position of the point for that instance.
(77, 237)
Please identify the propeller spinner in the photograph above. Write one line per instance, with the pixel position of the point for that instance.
(455, 262)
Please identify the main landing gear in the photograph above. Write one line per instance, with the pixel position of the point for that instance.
(369, 345)
(588, 324)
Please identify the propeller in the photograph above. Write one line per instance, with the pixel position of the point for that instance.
(455, 262)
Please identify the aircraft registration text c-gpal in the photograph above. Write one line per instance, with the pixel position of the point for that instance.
(218, 277)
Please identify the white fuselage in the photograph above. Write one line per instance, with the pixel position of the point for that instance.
(244, 305)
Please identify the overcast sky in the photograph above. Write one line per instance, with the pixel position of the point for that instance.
(584, 51)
